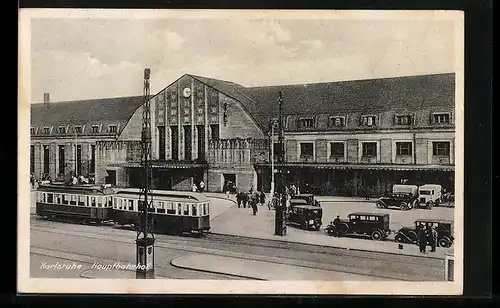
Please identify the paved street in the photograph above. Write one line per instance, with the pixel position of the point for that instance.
(214, 257)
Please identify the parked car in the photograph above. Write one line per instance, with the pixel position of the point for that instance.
(306, 217)
(444, 229)
(375, 225)
(405, 197)
(309, 198)
(429, 195)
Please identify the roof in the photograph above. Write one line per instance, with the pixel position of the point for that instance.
(79, 188)
(369, 214)
(116, 110)
(435, 220)
(378, 95)
(309, 207)
(174, 195)
(346, 166)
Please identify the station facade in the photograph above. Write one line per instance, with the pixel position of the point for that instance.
(352, 138)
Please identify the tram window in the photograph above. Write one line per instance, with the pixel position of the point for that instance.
(179, 209)
(186, 209)
(73, 200)
(50, 198)
(120, 203)
(194, 211)
(208, 208)
(81, 200)
(92, 201)
(130, 205)
(204, 208)
(65, 199)
(161, 207)
(110, 201)
(88, 201)
(170, 208)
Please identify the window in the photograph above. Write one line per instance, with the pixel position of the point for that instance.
(46, 130)
(186, 209)
(170, 208)
(73, 199)
(33, 130)
(337, 149)
(194, 209)
(441, 148)
(306, 123)
(112, 129)
(95, 128)
(214, 131)
(403, 148)
(441, 118)
(130, 205)
(369, 149)
(173, 112)
(404, 120)
(61, 130)
(306, 150)
(50, 198)
(337, 121)
(61, 159)
(78, 129)
(81, 200)
(32, 159)
(65, 199)
(92, 201)
(204, 208)
(369, 120)
(214, 109)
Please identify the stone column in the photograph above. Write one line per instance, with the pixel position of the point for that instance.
(69, 159)
(52, 160)
(85, 159)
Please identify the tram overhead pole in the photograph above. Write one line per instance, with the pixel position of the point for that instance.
(145, 237)
(280, 209)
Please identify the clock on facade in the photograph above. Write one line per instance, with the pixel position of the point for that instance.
(186, 92)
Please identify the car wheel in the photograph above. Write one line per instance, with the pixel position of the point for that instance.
(376, 235)
(399, 238)
(330, 232)
(403, 206)
(343, 229)
(444, 242)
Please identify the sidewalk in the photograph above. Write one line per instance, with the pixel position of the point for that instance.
(240, 222)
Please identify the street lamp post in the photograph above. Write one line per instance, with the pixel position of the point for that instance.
(272, 159)
(145, 238)
(280, 212)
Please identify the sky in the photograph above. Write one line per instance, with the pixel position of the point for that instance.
(89, 58)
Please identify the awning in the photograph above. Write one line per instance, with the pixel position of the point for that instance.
(162, 165)
(392, 167)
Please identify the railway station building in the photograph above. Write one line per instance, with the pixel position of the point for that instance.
(351, 138)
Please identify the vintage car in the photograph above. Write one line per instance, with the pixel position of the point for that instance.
(375, 225)
(429, 195)
(309, 198)
(403, 196)
(444, 229)
(306, 217)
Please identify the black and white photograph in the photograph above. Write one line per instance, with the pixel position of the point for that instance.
(240, 152)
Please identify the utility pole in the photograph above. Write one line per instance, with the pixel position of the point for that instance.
(145, 238)
(280, 212)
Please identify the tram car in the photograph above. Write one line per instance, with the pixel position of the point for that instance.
(83, 203)
(173, 212)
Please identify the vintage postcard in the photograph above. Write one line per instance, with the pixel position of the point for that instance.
(241, 152)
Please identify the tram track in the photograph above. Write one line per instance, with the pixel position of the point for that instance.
(290, 254)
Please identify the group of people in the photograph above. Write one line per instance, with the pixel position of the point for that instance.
(427, 235)
(200, 187)
(253, 199)
(73, 180)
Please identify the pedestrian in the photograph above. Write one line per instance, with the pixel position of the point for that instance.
(434, 239)
(194, 188)
(202, 186)
(262, 197)
(226, 189)
(336, 224)
(244, 199)
(422, 239)
(239, 198)
(32, 181)
(253, 202)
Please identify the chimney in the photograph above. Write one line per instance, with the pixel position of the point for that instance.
(46, 99)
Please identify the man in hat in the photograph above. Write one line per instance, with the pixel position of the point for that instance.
(336, 224)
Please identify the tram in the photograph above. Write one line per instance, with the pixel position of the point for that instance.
(84, 203)
(174, 212)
